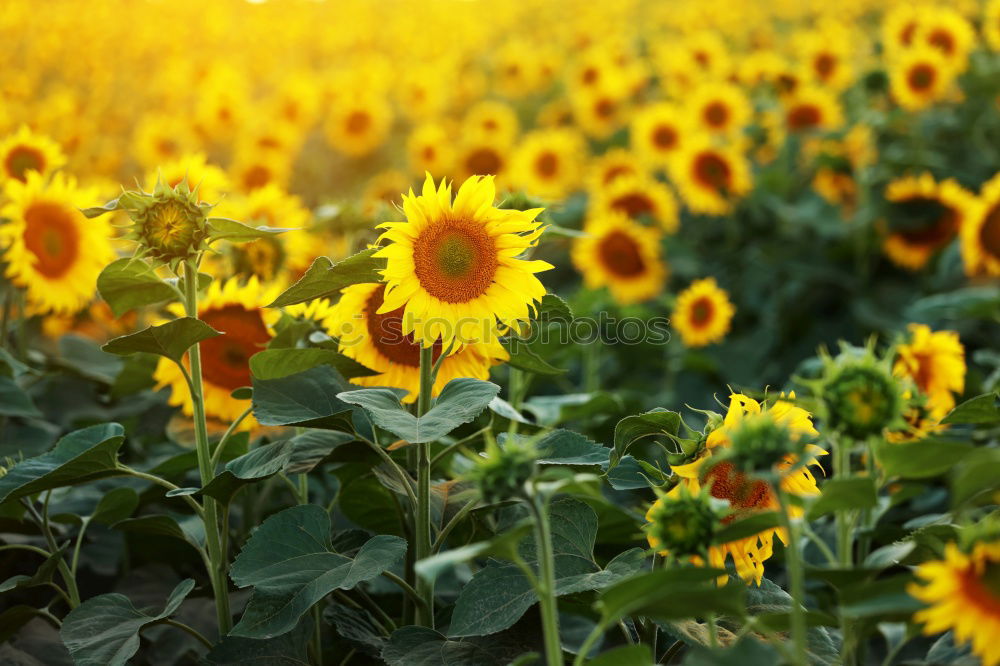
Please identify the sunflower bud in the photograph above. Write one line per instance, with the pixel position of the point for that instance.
(502, 473)
(759, 443)
(860, 395)
(681, 524)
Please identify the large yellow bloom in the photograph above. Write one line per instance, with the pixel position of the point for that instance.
(710, 177)
(702, 313)
(484, 155)
(24, 151)
(963, 596)
(376, 340)
(981, 232)
(623, 256)
(913, 247)
(549, 163)
(748, 496)
(51, 250)
(935, 361)
(920, 77)
(455, 264)
(238, 312)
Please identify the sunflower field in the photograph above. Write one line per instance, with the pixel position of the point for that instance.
(476, 333)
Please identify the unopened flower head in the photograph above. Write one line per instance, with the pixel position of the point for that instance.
(502, 473)
(861, 396)
(681, 523)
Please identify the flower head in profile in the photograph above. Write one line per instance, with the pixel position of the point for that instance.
(501, 471)
(681, 523)
(861, 397)
(456, 267)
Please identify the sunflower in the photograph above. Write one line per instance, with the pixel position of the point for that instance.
(376, 340)
(238, 312)
(761, 67)
(24, 151)
(812, 108)
(161, 137)
(991, 24)
(935, 362)
(493, 119)
(621, 255)
(599, 112)
(981, 232)
(615, 163)
(920, 77)
(826, 56)
(549, 163)
(253, 169)
(429, 150)
(480, 155)
(710, 177)
(454, 263)
(837, 187)
(707, 54)
(747, 496)
(656, 133)
(638, 197)
(210, 180)
(929, 216)
(948, 32)
(50, 249)
(384, 189)
(358, 124)
(962, 595)
(899, 28)
(702, 313)
(718, 108)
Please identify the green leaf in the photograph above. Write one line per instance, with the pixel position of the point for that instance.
(499, 593)
(624, 655)
(565, 447)
(290, 649)
(10, 366)
(554, 308)
(188, 529)
(421, 646)
(42, 575)
(983, 409)
(311, 447)
(552, 410)
(115, 505)
(104, 630)
(745, 652)
(260, 463)
(460, 401)
(976, 477)
(81, 456)
(221, 228)
(325, 279)
(308, 399)
(130, 283)
(672, 594)
(846, 494)
(14, 401)
(524, 358)
(503, 546)
(290, 562)
(921, 459)
(879, 600)
(171, 340)
(656, 422)
(278, 363)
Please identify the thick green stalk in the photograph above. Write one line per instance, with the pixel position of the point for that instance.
(845, 546)
(796, 578)
(422, 526)
(217, 559)
(546, 582)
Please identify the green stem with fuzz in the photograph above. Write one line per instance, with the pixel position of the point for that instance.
(546, 584)
(422, 522)
(796, 576)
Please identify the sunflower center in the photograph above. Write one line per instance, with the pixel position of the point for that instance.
(730, 484)
(357, 122)
(702, 311)
(921, 77)
(386, 333)
(428, 153)
(928, 221)
(256, 176)
(225, 358)
(455, 260)
(169, 229)
(620, 254)
(824, 65)
(664, 137)
(51, 236)
(22, 159)
(713, 171)
(906, 34)
(716, 114)
(803, 117)
(943, 40)
(616, 171)
(982, 588)
(547, 165)
(634, 204)
(989, 234)
(483, 161)
(604, 108)
(167, 147)
(589, 76)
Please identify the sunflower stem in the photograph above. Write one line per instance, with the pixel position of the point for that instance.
(796, 578)
(422, 531)
(546, 583)
(217, 559)
(844, 545)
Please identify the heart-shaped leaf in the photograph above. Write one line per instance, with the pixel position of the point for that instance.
(14, 401)
(631, 429)
(278, 363)
(221, 228)
(309, 399)
(170, 340)
(260, 463)
(325, 279)
(130, 283)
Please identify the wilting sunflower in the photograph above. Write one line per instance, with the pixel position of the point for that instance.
(210, 180)
(623, 256)
(638, 197)
(24, 151)
(429, 150)
(377, 341)
(549, 163)
(238, 312)
(919, 77)
(702, 313)
(51, 250)
(456, 264)
(981, 232)
(657, 132)
(615, 163)
(962, 595)
(927, 216)
(935, 362)
(718, 108)
(812, 108)
(358, 124)
(491, 118)
(748, 496)
(710, 177)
